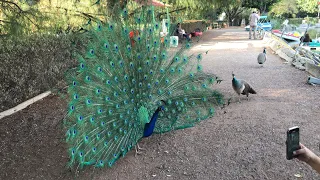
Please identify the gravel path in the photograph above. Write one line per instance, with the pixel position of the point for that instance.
(243, 141)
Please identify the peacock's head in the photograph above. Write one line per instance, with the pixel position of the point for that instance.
(264, 50)
(161, 108)
(233, 74)
(143, 115)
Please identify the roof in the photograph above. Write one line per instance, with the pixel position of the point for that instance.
(153, 3)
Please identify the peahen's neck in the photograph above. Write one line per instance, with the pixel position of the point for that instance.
(264, 51)
(236, 82)
(149, 127)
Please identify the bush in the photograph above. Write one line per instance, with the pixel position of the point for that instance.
(276, 23)
(295, 21)
(34, 64)
(298, 21)
(192, 25)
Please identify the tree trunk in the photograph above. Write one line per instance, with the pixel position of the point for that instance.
(230, 20)
(232, 14)
(263, 8)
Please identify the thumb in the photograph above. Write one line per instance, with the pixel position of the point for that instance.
(301, 146)
(298, 152)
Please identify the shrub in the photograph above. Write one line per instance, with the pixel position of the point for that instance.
(33, 64)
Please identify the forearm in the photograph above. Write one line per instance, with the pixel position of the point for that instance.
(315, 163)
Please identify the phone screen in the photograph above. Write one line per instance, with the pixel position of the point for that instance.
(292, 141)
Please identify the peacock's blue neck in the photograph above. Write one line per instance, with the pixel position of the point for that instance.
(264, 51)
(149, 127)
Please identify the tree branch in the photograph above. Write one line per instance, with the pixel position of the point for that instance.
(160, 14)
(21, 12)
(83, 13)
(8, 2)
(5, 21)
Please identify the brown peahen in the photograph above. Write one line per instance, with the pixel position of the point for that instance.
(242, 87)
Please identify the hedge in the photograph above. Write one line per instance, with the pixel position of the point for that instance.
(34, 64)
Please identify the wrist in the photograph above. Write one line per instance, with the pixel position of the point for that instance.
(314, 162)
(313, 159)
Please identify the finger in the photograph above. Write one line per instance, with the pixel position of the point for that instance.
(301, 146)
(298, 152)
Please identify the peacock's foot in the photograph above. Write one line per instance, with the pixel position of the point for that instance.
(139, 150)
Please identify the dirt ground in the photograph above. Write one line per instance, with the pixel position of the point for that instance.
(243, 141)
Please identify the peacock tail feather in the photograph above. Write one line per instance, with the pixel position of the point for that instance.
(126, 73)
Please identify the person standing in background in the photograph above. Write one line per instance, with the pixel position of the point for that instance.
(253, 20)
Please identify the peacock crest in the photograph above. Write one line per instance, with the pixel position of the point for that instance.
(129, 79)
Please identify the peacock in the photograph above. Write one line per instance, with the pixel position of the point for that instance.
(262, 57)
(242, 87)
(129, 84)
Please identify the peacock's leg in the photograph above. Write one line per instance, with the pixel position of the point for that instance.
(138, 150)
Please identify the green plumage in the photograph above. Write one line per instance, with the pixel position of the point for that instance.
(125, 74)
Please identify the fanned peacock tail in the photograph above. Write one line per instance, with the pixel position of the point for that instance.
(126, 74)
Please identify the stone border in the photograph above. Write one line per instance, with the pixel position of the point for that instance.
(24, 105)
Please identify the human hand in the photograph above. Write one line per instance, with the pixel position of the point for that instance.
(304, 154)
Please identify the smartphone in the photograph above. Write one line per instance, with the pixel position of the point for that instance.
(292, 141)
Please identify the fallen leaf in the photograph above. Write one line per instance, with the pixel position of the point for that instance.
(298, 175)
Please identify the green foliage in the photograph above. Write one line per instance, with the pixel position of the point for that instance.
(245, 14)
(295, 21)
(192, 9)
(33, 64)
(284, 9)
(192, 4)
(228, 3)
(298, 21)
(276, 23)
(232, 8)
(191, 25)
(294, 8)
(20, 17)
(309, 6)
(262, 5)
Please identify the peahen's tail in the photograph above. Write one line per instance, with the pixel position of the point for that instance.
(252, 91)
